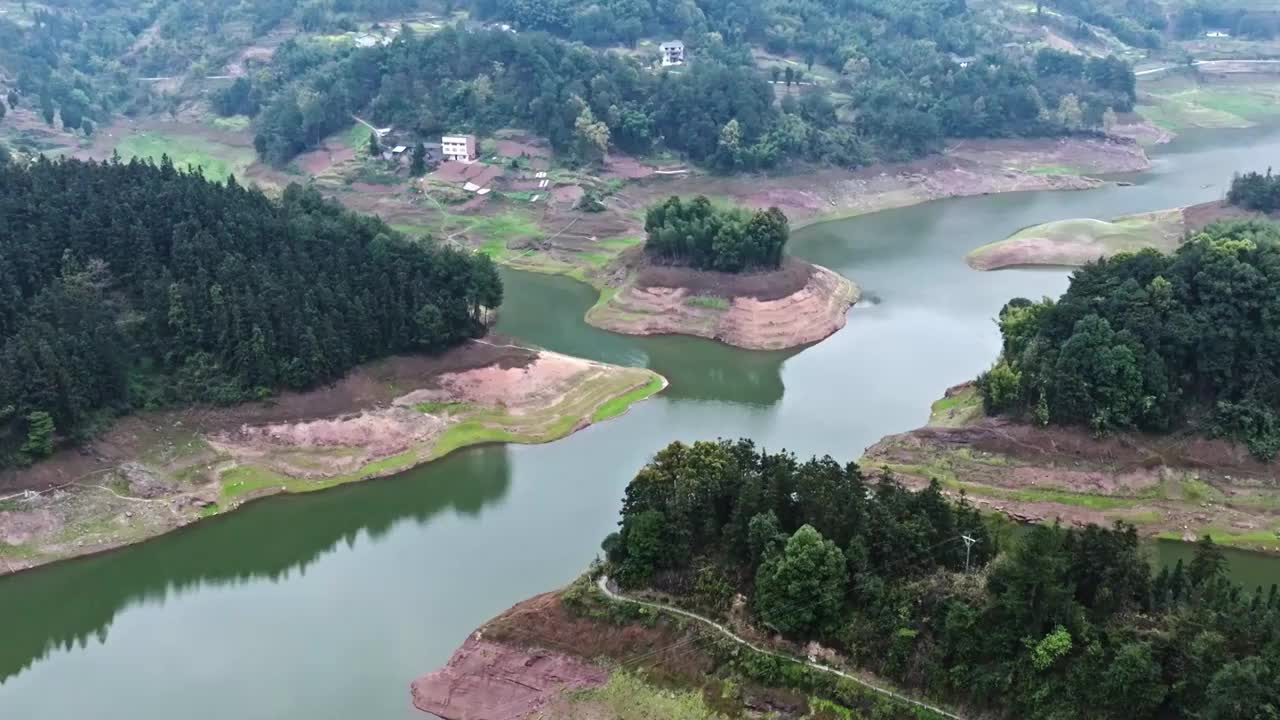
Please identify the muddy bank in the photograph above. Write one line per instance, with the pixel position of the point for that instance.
(151, 473)
(1073, 243)
(1179, 486)
(485, 680)
(798, 304)
(964, 168)
(521, 662)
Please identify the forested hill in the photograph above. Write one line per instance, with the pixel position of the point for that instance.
(1155, 342)
(130, 285)
(1052, 624)
(905, 97)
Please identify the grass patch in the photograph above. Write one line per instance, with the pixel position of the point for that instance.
(1067, 242)
(356, 137)
(620, 243)
(436, 408)
(1141, 517)
(707, 301)
(1053, 170)
(957, 409)
(943, 474)
(216, 161)
(375, 172)
(1235, 538)
(626, 696)
(244, 479)
(1177, 103)
(233, 123)
(1198, 491)
(616, 406)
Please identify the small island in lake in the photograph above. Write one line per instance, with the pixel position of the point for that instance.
(720, 273)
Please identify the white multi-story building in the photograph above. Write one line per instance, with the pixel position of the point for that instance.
(672, 53)
(461, 148)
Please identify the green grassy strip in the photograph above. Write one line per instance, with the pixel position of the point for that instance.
(216, 161)
(707, 301)
(617, 406)
(485, 426)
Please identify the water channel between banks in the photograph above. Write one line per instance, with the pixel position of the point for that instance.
(327, 605)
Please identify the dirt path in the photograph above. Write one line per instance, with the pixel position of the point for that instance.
(603, 584)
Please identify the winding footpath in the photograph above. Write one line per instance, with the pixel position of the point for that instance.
(603, 584)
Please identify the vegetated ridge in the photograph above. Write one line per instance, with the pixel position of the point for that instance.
(1154, 342)
(812, 558)
(720, 110)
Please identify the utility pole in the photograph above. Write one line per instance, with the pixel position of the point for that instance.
(968, 545)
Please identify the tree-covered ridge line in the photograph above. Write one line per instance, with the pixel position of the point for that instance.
(720, 109)
(80, 61)
(1061, 624)
(1154, 342)
(704, 237)
(1255, 191)
(126, 286)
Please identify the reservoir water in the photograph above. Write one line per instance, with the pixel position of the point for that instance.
(327, 605)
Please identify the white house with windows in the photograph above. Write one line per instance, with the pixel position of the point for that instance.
(672, 53)
(461, 148)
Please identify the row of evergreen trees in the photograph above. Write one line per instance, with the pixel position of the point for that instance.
(1154, 342)
(1255, 191)
(127, 285)
(1063, 624)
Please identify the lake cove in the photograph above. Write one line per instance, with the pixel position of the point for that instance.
(329, 604)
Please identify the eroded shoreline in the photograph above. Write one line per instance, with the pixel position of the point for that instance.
(155, 472)
(1072, 243)
(798, 304)
(1176, 487)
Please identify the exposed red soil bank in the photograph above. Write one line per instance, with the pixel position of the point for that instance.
(485, 680)
(1178, 486)
(798, 304)
(153, 472)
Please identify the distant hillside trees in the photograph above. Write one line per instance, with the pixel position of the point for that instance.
(126, 286)
(1154, 342)
(720, 111)
(1255, 191)
(704, 237)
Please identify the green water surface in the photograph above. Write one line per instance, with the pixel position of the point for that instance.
(328, 605)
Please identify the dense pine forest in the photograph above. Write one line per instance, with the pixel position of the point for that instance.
(1255, 191)
(1154, 342)
(702, 236)
(720, 109)
(1058, 624)
(127, 286)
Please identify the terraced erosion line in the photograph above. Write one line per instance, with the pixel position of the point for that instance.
(603, 584)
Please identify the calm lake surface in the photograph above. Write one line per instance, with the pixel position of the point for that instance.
(328, 605)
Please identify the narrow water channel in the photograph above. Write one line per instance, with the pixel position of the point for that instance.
(327, 605)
